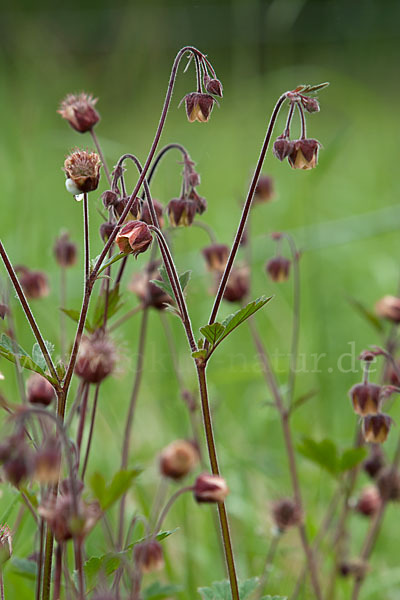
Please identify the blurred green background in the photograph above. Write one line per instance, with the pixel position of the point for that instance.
(343, 215)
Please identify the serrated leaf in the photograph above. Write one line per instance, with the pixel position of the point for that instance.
(113, 305)
(351, 458)
(15, 354)
(221, 590)
(105, 564)
(108, 494)
(159, 537)
(38, 356)
(108, 262)
(158, 591)
(368, 315)
(324, 453)
(165, 287)
(184, 279)
(212, 332)
(74, 315)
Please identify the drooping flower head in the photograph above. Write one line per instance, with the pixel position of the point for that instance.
(79, 111)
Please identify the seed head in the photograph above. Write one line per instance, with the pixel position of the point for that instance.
(376, 428)
(199, 107)
(149, 556)
(210, 488)
(65, 251)
(178, 459)
(39, 390)
(134, 237)
(388, 307)
(79, 111)
(34, 283)
(304, 154)
(366, 398)
(181, 212)
(369, 501)
(278, 268)
(96, 358)
(216, 256)
(286, 513)
(82, 169)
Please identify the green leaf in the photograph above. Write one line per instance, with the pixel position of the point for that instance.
(158, 591)
(74, 315)
(105, 564)
(217, 332)
(23, 566)
(38, 356)
(199, 354)
(113, 305)
(108, 494)
(351, 458)
(324, 453)
(108, 263)
(184, 279)
(368, 315)
(14, 353)
(221, 590)
(159, 537)
(165, 285)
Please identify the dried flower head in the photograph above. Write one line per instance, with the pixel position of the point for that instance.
(366, 398)
(39, 390)
(264, 191)
(82, 169)
(369, 501)
(149, 556)
(376, 428)
(388, 483)
(278, 269)
(198, 106)
(65, 251)
(34, 283)
(79, 111)
(178, 459)
(388, 307)
(181, 212)
(238, 284)
(96, 358)
(304, 154)
(216, 256)
(286, 513)
(210, 488)
(134, 237)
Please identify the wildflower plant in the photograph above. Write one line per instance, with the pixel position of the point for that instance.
(135, 225)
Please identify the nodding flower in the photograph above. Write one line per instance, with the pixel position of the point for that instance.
(82, 169)
(79, 110)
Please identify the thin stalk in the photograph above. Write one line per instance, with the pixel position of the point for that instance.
(245, 212)
(40, 561)
(57, 573)
(82, 419)
(86, 235)
(223, 518)
(262, 584)
(167, 507)
(79, 568)
(29, 314)
(207, 229)
(296, 321)
(100, 153)
(287, 435)
(162, 153)
(286, 132)
(63, 296)
(92, 421)
(130, 415)
(303, 121)
(1, 585)
(126, 317)
(18, 368)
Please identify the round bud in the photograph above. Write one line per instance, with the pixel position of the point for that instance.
(375, 462)
(96, 358)
(388, 307)
(388, 483)
(216, 256)
(82, 169)
(181, 212)
(34, 283)
(106, 230)
(375, 428)
(210, 488)
(369, 501)
(366, 398)
(79, 110)
(39, 390)
(278, 269)
(65, 251)
(238, 284)
(134, 237)
(178, 459)
(149, 556)
(282, 148)
(264, 191)
(146, 217)
(286, 513)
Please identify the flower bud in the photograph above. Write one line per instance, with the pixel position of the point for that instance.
(148, 556)
(201, 203)
(65, 251)
(82, 169)
(18, 467)
(375, 462)
(96, 358)
(178, 459)
(282, 147)
(238, 284)
(181, 212)
(149, 293)
(388, 483)
(198, 106)
(304, 154)
(213, 86)
(109, 199)
(366, 398)
(286, 513)
(369, 501)
(39, 390)
(134, 237)
(79, 111)
(106, 230)
(134, 211)
(264, 191)
(34, 283)
(388, 307)
(5, 544)
(48, 462)
(210, 488)
(375, 428)
(310, 104)
(146, 217)
(216, 256)
(278, 269)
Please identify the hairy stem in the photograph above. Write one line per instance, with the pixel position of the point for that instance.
(92, 422)
(100, 153)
